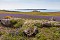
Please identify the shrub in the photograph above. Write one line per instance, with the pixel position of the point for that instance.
(8, 17)
(19, 23)
(13, 21)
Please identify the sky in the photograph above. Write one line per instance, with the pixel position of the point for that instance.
(29, 4)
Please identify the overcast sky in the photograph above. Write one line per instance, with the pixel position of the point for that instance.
(29, 4)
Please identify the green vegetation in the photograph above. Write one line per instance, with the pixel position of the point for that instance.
(13, 21)
(38, 25)
(17, 33)
(17, 23)
(47, 30)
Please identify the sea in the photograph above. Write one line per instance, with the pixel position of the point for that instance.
(30, 10)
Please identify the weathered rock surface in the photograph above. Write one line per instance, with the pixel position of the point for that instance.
(31, 32)
(46, 24)
(6, 22)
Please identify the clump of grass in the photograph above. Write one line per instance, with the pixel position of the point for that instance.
(44, 33)
(40, 36)
(13, 21)
(19, 23)
(38, 25)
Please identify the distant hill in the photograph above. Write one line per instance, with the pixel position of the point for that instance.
(30, 9)
(7, 11)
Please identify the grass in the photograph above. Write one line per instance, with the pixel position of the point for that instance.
(44, 33)
(32, 13)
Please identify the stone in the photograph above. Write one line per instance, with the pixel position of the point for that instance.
(6, 22)
(31, 32)
(46, 24)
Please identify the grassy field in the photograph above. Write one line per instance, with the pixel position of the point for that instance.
(15, 32)
(31, 13)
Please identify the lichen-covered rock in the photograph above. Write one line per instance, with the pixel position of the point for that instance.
(51, 24)
(46, 24)
(31, 31)
(6, 22)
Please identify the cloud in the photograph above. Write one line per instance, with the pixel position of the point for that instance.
(23, 4)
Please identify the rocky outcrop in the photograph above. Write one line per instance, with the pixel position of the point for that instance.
(31, 31)
(6, 22)
(46, 24)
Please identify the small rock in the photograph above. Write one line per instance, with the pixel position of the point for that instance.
(31, 31)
